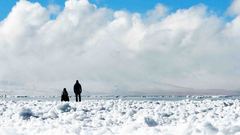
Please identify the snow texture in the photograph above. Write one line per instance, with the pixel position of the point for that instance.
(120, 117)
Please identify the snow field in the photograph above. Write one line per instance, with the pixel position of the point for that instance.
(120, 117)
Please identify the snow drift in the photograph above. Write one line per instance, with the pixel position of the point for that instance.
(120, 117)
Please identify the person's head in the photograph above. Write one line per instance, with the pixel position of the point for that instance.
(64, 90)
(77, 81)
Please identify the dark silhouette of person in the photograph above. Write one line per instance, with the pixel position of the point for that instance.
(64, 96)
(77, 90)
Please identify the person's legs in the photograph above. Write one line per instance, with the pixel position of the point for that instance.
(76, 97)
(80, 98)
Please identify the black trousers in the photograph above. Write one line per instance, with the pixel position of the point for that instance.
(78, 97)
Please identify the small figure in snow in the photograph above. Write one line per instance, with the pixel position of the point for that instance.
(77, 90)
(64, 96)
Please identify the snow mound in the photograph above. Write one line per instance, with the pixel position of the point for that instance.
(210, 129)
(150, 122)
(26, 114)
(120, 117)
(64, 107)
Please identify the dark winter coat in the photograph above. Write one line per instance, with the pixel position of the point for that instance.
(64, 96)
(77, 88)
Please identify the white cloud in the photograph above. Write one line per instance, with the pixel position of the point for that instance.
(118, 52)
(54, 9)
(234, 8)
(157, 13)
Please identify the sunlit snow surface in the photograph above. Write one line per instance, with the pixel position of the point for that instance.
(142, 116)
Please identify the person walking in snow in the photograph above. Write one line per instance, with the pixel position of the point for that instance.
(77, 90)
(64, 96)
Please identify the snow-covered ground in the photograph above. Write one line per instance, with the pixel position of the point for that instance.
(120, 117)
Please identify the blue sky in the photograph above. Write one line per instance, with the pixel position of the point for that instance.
(218, 6)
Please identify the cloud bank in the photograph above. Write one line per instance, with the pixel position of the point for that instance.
(118, 52)
(234, 8)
